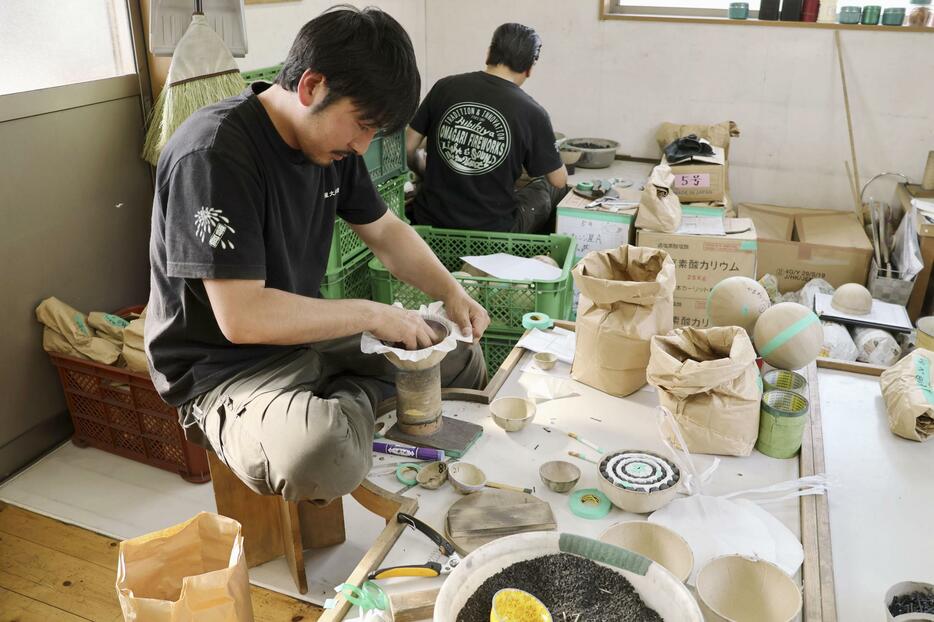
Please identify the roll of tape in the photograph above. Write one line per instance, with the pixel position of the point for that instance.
(536, 320)
(589, 503)
(407, 472)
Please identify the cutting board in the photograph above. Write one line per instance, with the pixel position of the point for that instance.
(484, 516)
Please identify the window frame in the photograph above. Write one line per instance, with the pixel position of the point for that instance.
(610, 10)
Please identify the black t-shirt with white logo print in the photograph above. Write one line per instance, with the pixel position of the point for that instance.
(481, 131)
(234, 201)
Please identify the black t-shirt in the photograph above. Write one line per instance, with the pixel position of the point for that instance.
(481, 131)
(234, 201)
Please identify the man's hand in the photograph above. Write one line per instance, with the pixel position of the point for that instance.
(395, 325)
(467, 313)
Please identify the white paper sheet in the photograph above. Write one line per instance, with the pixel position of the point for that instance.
(504, 266)
(558, 341)
(701, 225)
(883, 314)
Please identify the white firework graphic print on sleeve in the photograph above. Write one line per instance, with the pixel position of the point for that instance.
(211, 226)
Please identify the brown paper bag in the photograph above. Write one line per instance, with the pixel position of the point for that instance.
(909, 395)
(65, 320)
(718, 135)
(626, 297)
(709, 381)
(108, 326)
(135, 359)
(192, 572)
(133, 334)
(58, 314)
(659, 206)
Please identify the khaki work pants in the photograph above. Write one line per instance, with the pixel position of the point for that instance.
(301, 424)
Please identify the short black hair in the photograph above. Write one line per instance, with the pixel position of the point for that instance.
(515, 46)
(364, 55)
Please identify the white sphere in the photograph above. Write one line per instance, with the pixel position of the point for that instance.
(737, 301)
(788, 336)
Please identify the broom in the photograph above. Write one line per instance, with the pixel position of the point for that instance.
(202, 72)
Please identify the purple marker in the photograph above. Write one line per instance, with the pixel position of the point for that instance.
(419, 453)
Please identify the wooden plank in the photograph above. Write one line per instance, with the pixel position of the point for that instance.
(291, 533)
(18, 608)
(322, 526)
(810, 570)
(508, 518)
(58, 580)
(257, 514)
(825, 550)
(370, 562)
(413, 606)
(851, 366)
(58, 536)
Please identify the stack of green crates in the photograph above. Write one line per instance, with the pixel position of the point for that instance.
(506, 301)
(347, 275)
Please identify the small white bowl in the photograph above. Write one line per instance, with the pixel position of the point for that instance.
(466, 478)
(512, 413)
(559, 476)
(545, 360)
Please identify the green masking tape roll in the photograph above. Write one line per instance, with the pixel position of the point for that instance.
(783, 337)
(536, 320)
(589, 503)
(407, 472)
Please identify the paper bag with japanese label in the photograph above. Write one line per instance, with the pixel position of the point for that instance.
(659, 206)
(718, 135)
(626, 297)
(909, 395)
(187, 573)
(709, 380)
(72, 333)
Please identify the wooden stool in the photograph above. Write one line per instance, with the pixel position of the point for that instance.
(272, 526)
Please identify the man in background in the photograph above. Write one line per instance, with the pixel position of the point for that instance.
(482, 130)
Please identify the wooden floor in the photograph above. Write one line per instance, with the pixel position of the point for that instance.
(53, 571)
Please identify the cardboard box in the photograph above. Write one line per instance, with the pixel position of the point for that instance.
(690, 312)
(595, 229)
(800, 244)
(701, 178)
(702, 261)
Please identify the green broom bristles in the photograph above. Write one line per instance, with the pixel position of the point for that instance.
(177, 102)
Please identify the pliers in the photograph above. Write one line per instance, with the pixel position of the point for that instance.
(428, 569)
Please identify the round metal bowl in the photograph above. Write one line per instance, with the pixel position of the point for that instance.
(559, 476)
(595, 152)
(512, 413)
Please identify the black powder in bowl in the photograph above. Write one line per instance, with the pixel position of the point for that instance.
(573, 588)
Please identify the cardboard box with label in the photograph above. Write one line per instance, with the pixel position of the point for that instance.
(595, 229)
(702, 261)
(800, 244)
(700, 178)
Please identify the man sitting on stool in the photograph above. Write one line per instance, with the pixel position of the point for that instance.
(263, 371)
(482, 129)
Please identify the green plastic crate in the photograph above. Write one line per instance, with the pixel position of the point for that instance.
(347, 245)
(505, 301)
(350, 281)
(385, 158)
(496, 347)
(267, 74)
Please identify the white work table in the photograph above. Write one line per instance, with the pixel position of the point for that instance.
(514, 458)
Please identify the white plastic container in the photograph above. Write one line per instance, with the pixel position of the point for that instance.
(658, 588)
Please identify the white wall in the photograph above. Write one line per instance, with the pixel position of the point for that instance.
(620, 79)
(272, 27)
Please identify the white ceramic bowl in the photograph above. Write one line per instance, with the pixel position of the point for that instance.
(466, 478)
(512, 413)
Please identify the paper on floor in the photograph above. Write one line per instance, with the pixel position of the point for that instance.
(558, 341)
